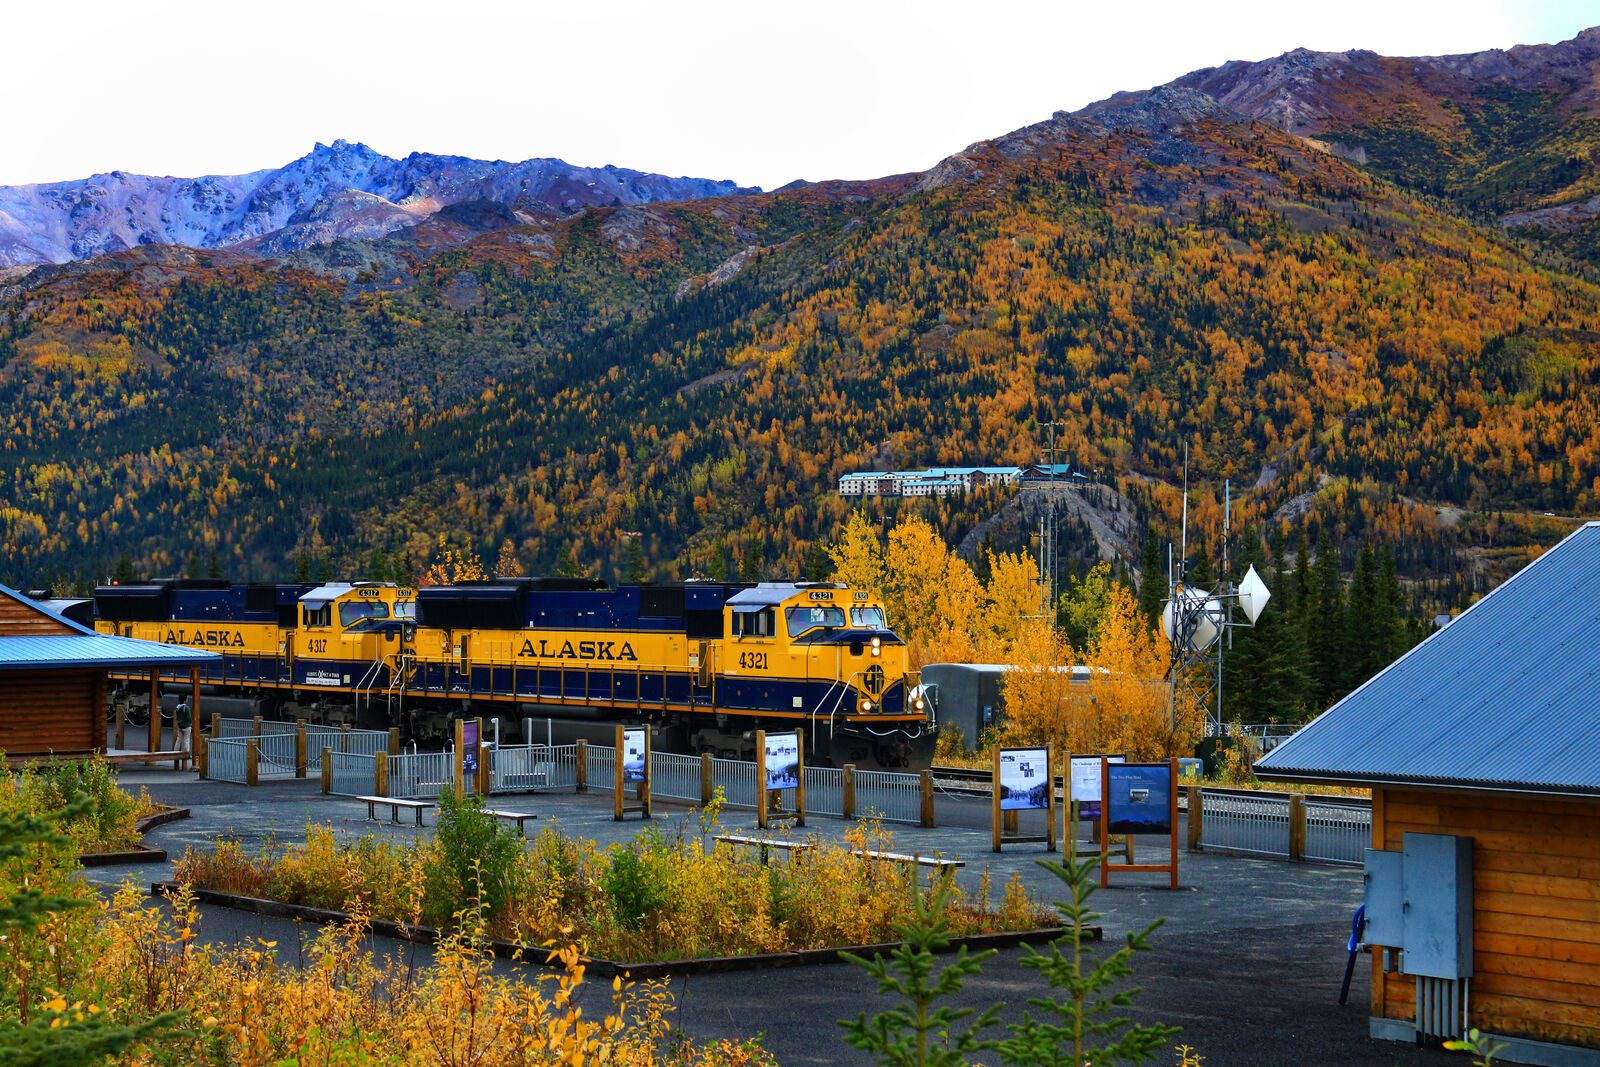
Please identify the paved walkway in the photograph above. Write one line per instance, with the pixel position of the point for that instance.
(1248, 960)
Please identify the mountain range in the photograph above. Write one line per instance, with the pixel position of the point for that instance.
(1360, 289)
(333, 192)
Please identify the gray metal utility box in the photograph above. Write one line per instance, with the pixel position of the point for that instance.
(966, 696)
(1420, 901)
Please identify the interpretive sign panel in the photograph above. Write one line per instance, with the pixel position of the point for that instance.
(633, 755)
(1140, 795)
(782, 761)
(1086, 787)
(1024, 778)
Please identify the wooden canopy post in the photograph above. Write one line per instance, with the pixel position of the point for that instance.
(194, 701)
(154, 731)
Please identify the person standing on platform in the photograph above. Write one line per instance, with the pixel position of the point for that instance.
(182, 721)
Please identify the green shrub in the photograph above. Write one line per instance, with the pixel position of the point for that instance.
(474, 864)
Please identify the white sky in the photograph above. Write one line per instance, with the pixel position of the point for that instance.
(757, 91)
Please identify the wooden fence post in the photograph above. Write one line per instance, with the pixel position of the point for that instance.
(216, 724)
(582, 768)
(707, 789)
(847, 778)
(120, 706)
(1297, 827)
(763, 795)
(202, 754)
(327, 770)
(301, 756)
(344, 737)
(380, 774)
(394, 740)
(255, 725)
(252, 760)
(927, 798)
(1197, 817)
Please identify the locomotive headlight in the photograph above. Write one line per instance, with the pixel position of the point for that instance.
(865, 705)
(877, 646)
(917, 703)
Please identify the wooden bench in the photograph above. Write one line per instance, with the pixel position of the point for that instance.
(764, 843)
(395, 805)
(518, 817)
(938, 862)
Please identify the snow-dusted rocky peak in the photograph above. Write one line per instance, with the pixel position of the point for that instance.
(334, 191)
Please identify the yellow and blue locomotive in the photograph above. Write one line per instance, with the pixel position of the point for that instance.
(707, 663)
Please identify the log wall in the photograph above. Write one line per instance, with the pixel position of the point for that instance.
(1536, 908)
(60, 711)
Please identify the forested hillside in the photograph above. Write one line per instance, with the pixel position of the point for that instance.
(681, 385)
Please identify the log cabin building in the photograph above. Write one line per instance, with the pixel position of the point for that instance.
(53, 690)
(1482, 749)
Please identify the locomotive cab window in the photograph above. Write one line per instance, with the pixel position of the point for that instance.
(755, 623)
(868, 618)
(318, 616)
(809, 618)
(356, 610)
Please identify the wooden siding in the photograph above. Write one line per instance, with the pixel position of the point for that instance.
(1536, 908)
(51, 711)
(19, 620)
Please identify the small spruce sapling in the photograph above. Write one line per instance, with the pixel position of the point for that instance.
(921, 1034)
(1083, 1030)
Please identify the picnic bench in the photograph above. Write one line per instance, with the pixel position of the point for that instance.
(937, 862)
(764, 843)
(518, 817)
(396, 805)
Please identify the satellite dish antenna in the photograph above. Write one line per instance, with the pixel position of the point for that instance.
(1253, 595)
(1192, 619)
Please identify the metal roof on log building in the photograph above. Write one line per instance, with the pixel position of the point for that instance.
(1506, 697)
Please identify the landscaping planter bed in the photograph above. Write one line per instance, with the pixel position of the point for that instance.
(639, 970)
(139, 854)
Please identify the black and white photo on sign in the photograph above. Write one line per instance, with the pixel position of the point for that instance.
(633, 755)
(1024, 778)
(783, 761)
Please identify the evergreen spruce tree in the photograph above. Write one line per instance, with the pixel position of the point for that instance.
(123, 575)
(1152, 579)
(1363, 656)
(1392, 643)
(302, 567)
(1325, 625)
(633, 566)
(816, 564)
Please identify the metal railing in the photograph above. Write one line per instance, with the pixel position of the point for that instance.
(1257, 824)
(891, 795)
(226, 759)
(1338, 829)
(520, 769)
(233, 726)
(825, 791)
(276, 755)
(738, 781)
(351, 774)
(1332, 830)
(602, 768)
(420, 775)
(674, 776)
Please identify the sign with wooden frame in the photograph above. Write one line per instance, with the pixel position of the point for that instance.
(781, 764)
(469, 752)
(1023, 779)
(1138, 799)
(632, 765)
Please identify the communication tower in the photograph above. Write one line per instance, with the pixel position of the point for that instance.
(1199, 621)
